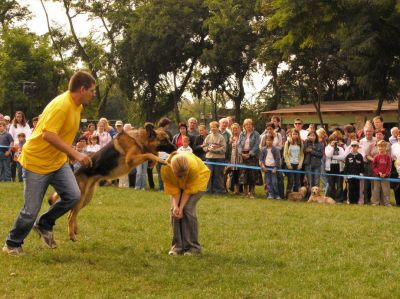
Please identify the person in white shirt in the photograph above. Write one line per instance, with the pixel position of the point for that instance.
(104, 136)
(298, 125)
(93, 145)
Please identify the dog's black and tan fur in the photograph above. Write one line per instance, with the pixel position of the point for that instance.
(116, 159)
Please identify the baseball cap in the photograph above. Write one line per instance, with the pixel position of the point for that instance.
(119, 123)
(354, 142)
(7, 118)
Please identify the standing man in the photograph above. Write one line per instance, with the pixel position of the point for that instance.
(378, 125)
(223, 129)
(298, 125)
(192, 130)
(44, 159)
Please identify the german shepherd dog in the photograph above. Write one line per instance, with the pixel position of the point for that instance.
(116, 159)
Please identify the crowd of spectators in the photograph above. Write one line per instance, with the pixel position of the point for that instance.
(324, 157)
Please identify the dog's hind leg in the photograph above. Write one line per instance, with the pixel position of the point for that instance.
(87, 192)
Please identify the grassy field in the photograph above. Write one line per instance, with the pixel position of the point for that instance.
(251, 249)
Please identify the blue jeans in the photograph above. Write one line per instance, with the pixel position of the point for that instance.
(216, 181)
(272, 184)
(313, 179)
(141, 172)
(293, 180)
(160, 182)
(5, 168)
(35, 187)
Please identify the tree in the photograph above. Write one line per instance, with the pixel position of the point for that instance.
(370, 38)
(309, 45)
(11, 11)
(25, 57)
(231, 56)
(160, 49)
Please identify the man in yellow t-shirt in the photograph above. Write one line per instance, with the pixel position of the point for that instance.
(185, 181)
(44, 161)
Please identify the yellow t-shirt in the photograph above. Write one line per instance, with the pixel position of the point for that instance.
(61, 116)
(196, 180)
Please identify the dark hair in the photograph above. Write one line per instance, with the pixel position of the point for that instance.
(272, 125)
(349, 128)
(36, 118)
(276, 117)
(14, 121)
(165, 121)
(182, 124)
(80, 79)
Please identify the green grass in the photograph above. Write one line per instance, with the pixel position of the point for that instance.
(251, 249)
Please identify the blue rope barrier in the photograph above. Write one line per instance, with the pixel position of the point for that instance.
(309, 172)
(5, 146)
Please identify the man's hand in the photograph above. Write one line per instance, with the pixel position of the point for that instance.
(83, 159)
(274, 170)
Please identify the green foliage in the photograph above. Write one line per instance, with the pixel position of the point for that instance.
(11, 11)
(26, 57)
(251, 249)
(160, 48)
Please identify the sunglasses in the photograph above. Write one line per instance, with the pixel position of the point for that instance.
(298, 123)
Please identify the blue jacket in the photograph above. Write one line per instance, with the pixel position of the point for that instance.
(254, 143)
(275, 153)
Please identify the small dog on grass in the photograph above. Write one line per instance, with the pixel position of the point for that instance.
(297, 196)
(317, 197)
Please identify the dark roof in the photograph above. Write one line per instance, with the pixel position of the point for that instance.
(340, 106)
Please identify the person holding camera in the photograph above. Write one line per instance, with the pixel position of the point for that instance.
(335, 156)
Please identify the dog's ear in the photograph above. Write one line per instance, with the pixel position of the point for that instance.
(151, 134)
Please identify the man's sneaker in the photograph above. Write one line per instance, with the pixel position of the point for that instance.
(15, 251)
(172, 253)
(46, 236)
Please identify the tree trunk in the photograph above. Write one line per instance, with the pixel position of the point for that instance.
(398, 110)
(379, 108)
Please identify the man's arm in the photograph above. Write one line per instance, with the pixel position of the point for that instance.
(59, 144)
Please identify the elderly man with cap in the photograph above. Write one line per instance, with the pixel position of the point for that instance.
(7, 120)
(119, 127)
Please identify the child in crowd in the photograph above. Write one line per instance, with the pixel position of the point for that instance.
(381, 166)
(185, 147)
(17, 151)
(353, 165)
(271, 158)
(6, 142)
(395, 132)
(313, 153)
(294, 156)
(80, 147)
(93, 144)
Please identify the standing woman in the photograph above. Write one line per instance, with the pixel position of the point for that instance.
(249, 150)
(178, 138)
(104, 136)
(294, 156)
(18, 125)
(235, 157)
(185, 180)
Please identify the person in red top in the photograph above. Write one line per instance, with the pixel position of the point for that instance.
(381, 166)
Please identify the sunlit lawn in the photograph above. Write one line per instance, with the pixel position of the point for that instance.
(251, 249)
